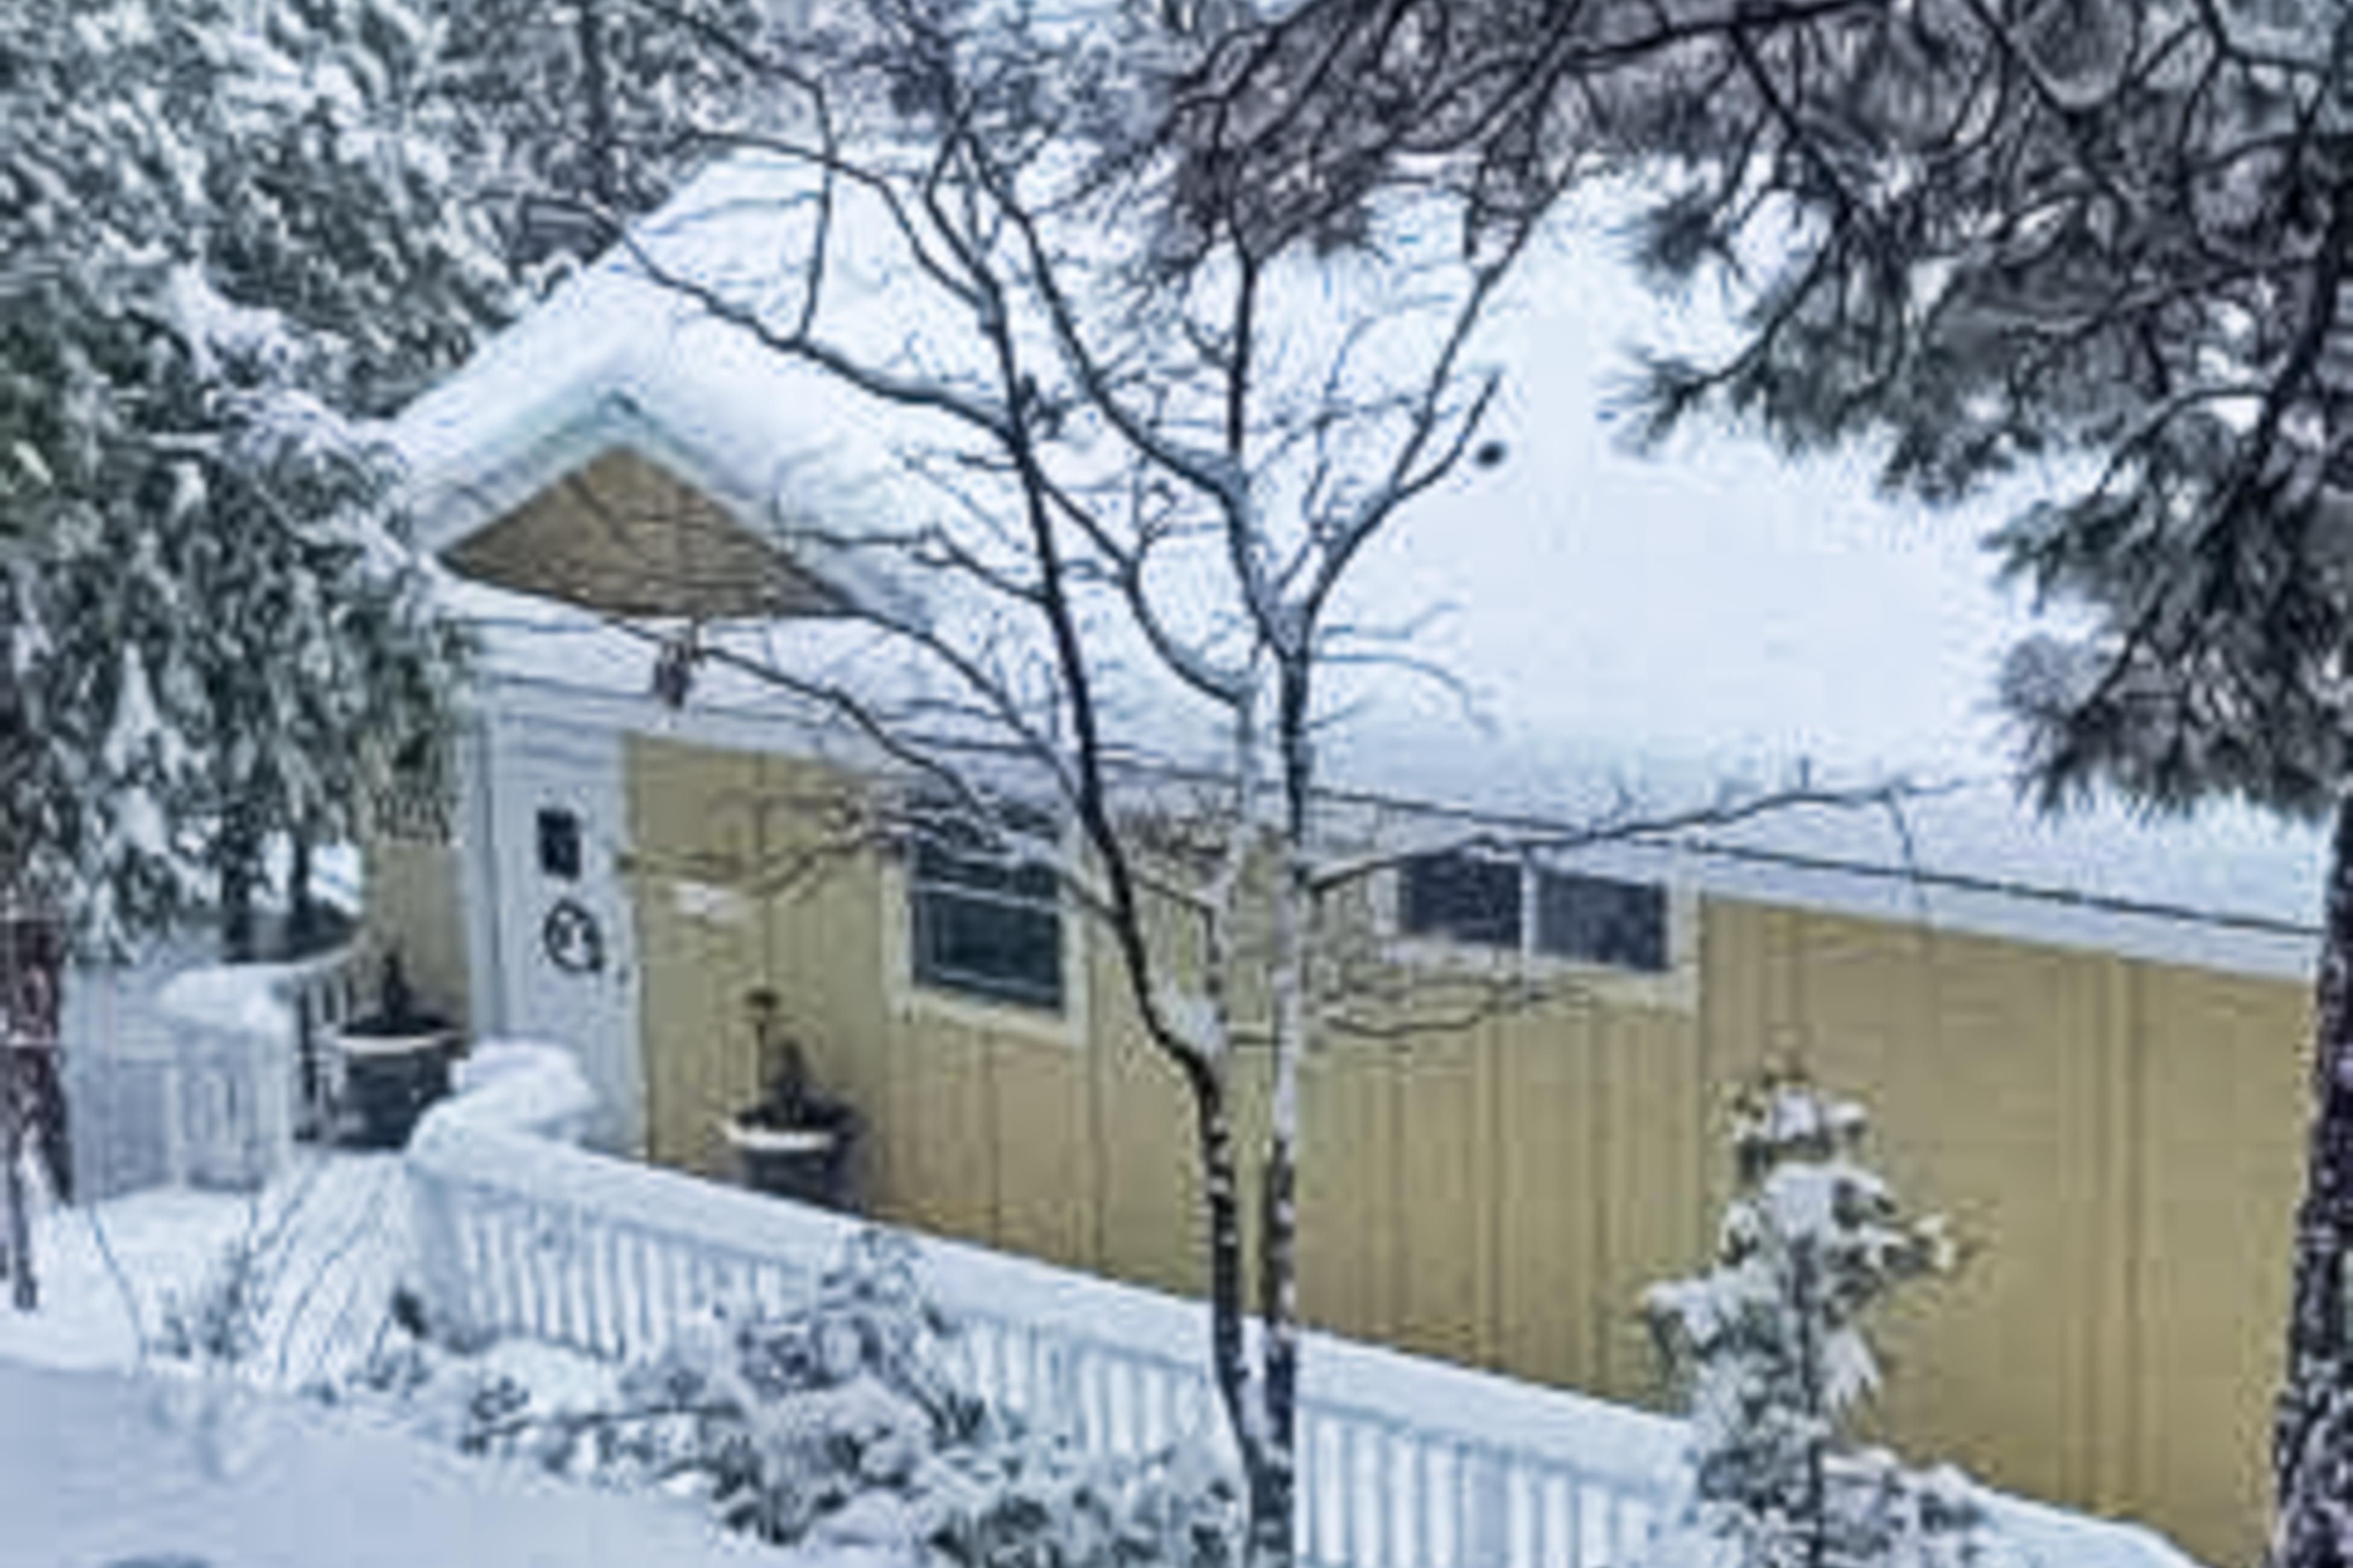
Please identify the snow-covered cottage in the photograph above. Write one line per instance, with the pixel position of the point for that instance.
(2084, 1044)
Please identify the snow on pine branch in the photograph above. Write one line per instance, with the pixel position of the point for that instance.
(1772, 1348)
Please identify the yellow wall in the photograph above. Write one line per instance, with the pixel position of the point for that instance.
(414, 903)
(2119, 1141)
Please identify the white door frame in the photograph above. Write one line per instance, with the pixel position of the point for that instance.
(513, 760)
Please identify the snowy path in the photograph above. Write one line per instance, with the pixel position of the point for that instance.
(90, 1477)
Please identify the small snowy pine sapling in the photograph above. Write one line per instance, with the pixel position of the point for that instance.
(1770, 1347)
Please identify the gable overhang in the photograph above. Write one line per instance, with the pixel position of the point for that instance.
(599, 503)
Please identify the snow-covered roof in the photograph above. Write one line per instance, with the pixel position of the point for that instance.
(1645, 626)
(611, 361)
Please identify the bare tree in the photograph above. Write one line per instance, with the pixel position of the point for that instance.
(1133, 462)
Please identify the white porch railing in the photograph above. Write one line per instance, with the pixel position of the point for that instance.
(1404, 1462)
(182, 1072)
(249, 1041)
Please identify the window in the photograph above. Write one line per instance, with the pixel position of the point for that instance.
(1488, 902)
(1595, 920)
(1462, 898)
(412, 796)
(984, 925)
(559, 843)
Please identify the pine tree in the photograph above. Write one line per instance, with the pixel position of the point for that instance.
(577, 114)
(229, 233)
(1976, 238)
(1771, 1347)
(224, 232)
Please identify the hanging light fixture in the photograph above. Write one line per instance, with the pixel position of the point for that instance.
(674, 663)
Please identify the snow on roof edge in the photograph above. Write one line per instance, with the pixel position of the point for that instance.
(1943, 892)
(530, 408)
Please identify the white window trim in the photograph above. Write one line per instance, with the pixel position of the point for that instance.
(911, 1002)
(1675, 986)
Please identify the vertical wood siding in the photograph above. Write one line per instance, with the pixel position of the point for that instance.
(2117, 1140)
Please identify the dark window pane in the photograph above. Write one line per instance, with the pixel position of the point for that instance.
(936, 863)
(1601, 921)
(985, 923)
(1462, 898)
(559, 843)
(990, 947)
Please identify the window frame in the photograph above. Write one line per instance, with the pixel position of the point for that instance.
(918, 993)
(1673, 985)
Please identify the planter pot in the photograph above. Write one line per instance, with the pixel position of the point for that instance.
(390, 1078)
(809, 1162)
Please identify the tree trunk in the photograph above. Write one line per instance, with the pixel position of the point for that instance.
(1274, 1481)
(301, 907)
(2312, 1448)
(596, 95)
(1221, 1183)
(240, 880)
(32, 1105)
(22, 1290)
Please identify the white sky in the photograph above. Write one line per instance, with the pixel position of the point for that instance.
(1711, 599)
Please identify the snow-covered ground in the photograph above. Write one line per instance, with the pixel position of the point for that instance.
(330, 1240)
(103, 1465)
(332, 1236)
(93, 1477)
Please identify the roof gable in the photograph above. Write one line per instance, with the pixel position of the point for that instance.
(623, 535)
(495, 459)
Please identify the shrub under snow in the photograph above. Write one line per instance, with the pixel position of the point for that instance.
(1770, 1347)
(843, 1425)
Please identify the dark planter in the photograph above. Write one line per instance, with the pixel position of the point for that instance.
(807, 1160)
(391, 1076)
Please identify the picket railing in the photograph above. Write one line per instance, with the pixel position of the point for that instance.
(240, 1044)
(1403, 1462)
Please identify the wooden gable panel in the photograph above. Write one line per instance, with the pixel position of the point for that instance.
(624, 536)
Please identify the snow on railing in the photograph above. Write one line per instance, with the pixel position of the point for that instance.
(1404, 1462)
(245, 1042)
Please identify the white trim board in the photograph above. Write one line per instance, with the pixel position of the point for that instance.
(1868, 884)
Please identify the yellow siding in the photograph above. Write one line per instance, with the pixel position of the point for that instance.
(2118, 1141)
(414, 904)
(2222, 1111)
(695, 969)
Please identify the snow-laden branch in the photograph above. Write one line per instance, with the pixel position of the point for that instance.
(1623, 825)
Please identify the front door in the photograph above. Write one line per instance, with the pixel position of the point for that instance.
(563, 951)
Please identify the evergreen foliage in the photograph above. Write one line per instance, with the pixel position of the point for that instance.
(1771, 1347)
(579, 115)
(225, 233)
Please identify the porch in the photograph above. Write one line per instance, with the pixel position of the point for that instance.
(516, 1239)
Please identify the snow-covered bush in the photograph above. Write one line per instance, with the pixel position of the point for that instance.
(842, 1424)
(219, 1323)
(210, 1339)
(1770, 1347)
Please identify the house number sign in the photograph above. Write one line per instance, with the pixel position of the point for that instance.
(571, 939)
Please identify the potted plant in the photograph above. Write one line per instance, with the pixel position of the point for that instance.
(794, 1142)
(395, 1061)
